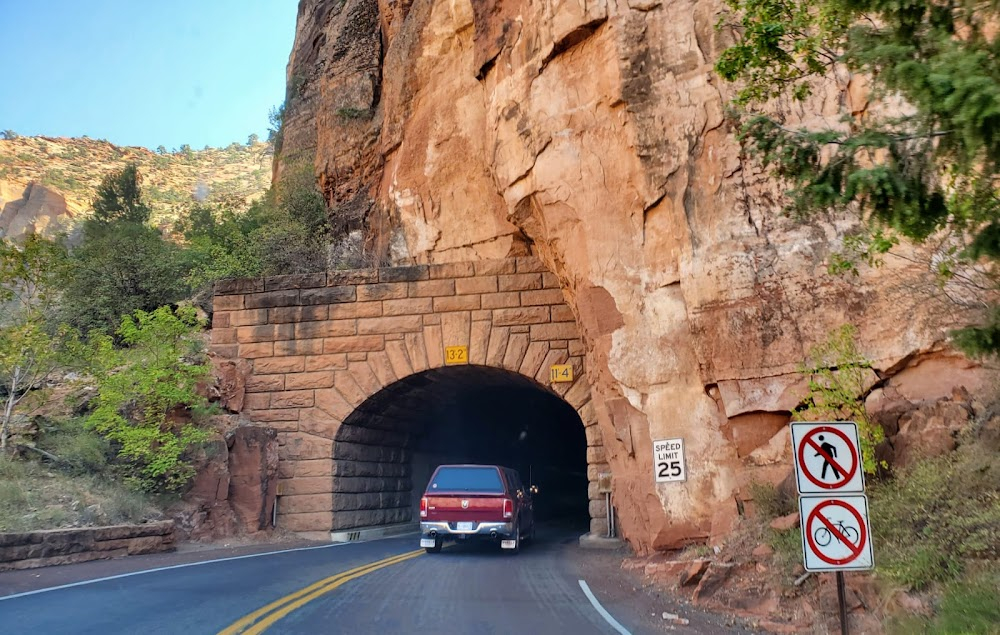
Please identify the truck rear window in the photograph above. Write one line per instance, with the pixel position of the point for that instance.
(478, 480)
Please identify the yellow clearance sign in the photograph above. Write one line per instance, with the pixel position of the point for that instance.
(456, 355)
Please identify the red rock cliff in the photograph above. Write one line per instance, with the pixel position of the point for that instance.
(592, 133)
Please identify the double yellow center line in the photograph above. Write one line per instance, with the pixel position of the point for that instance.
(258, 621)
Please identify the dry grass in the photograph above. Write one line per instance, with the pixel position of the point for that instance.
(33, 496)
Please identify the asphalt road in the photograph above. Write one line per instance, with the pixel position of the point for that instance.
(384, 586)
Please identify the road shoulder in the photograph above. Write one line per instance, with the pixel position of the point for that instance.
(14, 582)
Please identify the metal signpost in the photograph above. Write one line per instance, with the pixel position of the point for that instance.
(833, 509)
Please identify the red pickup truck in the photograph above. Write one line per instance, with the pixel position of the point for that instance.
(476, 501)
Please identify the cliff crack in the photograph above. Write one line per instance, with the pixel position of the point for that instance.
(531, 167)
(571, 39)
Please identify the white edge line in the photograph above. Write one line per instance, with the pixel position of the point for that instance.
(175, 566)
(600, 609)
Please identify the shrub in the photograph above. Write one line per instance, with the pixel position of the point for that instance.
(147, 403)
(124, 505)
(770, 501)
(130, 267)
(80, 449)
(839, 376)
(936, 516)
(284, 232)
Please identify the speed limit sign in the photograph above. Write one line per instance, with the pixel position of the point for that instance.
(668, 460)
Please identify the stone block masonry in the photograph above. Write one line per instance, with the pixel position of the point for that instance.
(321, 345)
(32, 549)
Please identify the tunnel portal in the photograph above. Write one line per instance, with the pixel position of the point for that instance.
(385, 451)
(350, 369)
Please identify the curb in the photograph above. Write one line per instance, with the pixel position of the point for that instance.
(368, 533)
(591, 541)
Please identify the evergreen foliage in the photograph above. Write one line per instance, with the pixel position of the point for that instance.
(119, 199)
(285, 232)
(931, 168)
(116, 272)
(122, 265)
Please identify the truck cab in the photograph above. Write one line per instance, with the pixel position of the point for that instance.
(484, 502)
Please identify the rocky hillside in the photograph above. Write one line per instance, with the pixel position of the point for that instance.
(45, 182)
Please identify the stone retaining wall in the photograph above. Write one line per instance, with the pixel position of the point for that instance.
(32, 549)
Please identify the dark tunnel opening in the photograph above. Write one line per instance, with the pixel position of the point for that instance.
(386, 450)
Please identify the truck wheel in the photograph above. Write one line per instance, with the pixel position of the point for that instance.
(517, 540)
(436, 548)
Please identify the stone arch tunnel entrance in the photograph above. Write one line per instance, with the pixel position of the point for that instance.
(350, 369)
(385, 451)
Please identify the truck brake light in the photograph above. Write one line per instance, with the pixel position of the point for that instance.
(423, 507)
(508, 508)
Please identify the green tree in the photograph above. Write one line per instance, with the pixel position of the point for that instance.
(276, 130)
(122, 264)
(253, 139)
(284, 232)
(119, 199)
(130, 267)
(148, 402)
(30, 275)
(930, 167)
(29, 354)
(32, 270)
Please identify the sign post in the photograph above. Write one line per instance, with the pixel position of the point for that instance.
(833, 509)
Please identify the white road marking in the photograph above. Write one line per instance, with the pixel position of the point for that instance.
(600, 609)
(176, 566)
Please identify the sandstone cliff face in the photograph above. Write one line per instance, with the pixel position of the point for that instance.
(32, 209)
(593, 135)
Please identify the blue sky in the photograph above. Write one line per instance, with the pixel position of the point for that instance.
(144, 72)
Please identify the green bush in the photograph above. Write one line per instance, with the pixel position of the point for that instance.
(118, 272)
(936, 516)
(148, 404)
(787, 547)
(284, 232)
(125, 505)
(839, 377)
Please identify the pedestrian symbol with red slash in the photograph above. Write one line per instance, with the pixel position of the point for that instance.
(827, 458)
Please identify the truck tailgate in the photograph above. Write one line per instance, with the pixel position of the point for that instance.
(449, 508)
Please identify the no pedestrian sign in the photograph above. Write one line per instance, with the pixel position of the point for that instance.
(827, 458)
(836, 535)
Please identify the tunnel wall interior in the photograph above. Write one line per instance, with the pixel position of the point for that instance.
(307, 353)
(468, 414)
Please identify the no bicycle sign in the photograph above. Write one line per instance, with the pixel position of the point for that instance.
(827, 458)
(836, 535)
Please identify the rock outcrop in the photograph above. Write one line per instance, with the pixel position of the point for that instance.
(35, 209)
(593, 135)
(235, 487)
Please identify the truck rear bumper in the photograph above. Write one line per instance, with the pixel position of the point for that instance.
(444, 529)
